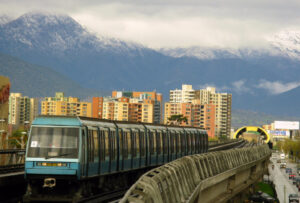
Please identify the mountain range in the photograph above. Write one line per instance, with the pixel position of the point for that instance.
(265, 80)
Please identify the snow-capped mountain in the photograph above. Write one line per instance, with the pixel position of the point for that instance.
(205, 53)
(58, 33)
(285, 43)
(4, 19)
(62, 44)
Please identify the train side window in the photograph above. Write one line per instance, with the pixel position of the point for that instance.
(154, 142)
(192, 142)
(106, 135)
(142, 145)
(161, 142)
(96, 146)
(198, 142)
(90, 146)
(102, 145)
(182, 140)
(178, 142)
(158, 142)
(172, 142)
(121, 142)
(165, 142)
(151, 140)
(128, 143)
(188, 142)
(134, 147)
(113, 145)
(137, 144)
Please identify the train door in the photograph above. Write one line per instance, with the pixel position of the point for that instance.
(178, 145)
(143, 148)
(136, 150)
(159, 146)
(113, 150)
(172, 145)
(188, 143)
(104, 150)
(201, 142)
(183, 144)
(127, 149)
(93, 149)
(121, 149)
(165, 146)
(152, 147)
(192, 137)
(197, 141)
(206, 142)
(83, 153)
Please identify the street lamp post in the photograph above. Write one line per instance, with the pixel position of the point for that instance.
(2, 131)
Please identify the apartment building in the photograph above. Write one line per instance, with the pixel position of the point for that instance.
(185, 95)
(22, 109)
(198, 115)
(210, 110)
(152, 101)
(129, 106)
(222, 101)
(65, 106)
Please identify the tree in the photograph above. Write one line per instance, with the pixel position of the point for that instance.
(18, 139)
(177, 119)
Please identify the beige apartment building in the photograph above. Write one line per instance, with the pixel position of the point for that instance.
(127, 109)
(209, 109)
(65, 106)
(129, 106)
(22, 109)
(222, 102)
(185, 95)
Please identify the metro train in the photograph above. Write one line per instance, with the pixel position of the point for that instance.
(85, 155)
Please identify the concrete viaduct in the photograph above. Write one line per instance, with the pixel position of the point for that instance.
(213, 177)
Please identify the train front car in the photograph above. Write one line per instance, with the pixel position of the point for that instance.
(52, 166)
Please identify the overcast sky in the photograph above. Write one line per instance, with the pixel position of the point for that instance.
(178, 23)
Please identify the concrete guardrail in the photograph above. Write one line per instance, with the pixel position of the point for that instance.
(183, 180)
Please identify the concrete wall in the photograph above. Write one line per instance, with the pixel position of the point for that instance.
(212, 177)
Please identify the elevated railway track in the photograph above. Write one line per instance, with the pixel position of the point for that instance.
(14, 169)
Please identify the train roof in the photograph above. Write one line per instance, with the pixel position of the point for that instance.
(80, 121)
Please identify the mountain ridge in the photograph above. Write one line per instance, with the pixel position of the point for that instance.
(64, 46)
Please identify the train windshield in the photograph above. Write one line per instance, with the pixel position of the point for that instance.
(53, 142)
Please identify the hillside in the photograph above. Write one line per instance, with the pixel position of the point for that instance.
(37, 81)
(95, 62)
(242, 118)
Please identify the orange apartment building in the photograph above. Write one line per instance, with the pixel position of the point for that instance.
(129, 106)
(198, 115)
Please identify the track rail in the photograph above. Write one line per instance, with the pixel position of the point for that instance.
(235, 144)
(12, 160)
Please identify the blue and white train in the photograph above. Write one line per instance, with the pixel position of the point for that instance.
(79, 155)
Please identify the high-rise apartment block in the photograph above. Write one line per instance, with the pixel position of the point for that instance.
(22, 109)
(203, 108)
(222, 101)
(65, 106)
(129, 106)
(198, 115)
(185, 95)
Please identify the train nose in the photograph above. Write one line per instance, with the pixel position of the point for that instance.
(49, 182)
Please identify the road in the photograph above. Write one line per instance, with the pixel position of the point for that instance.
(280, 178)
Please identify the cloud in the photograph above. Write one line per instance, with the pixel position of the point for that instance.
(277, 87)
(174, 23)
(240, 87)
